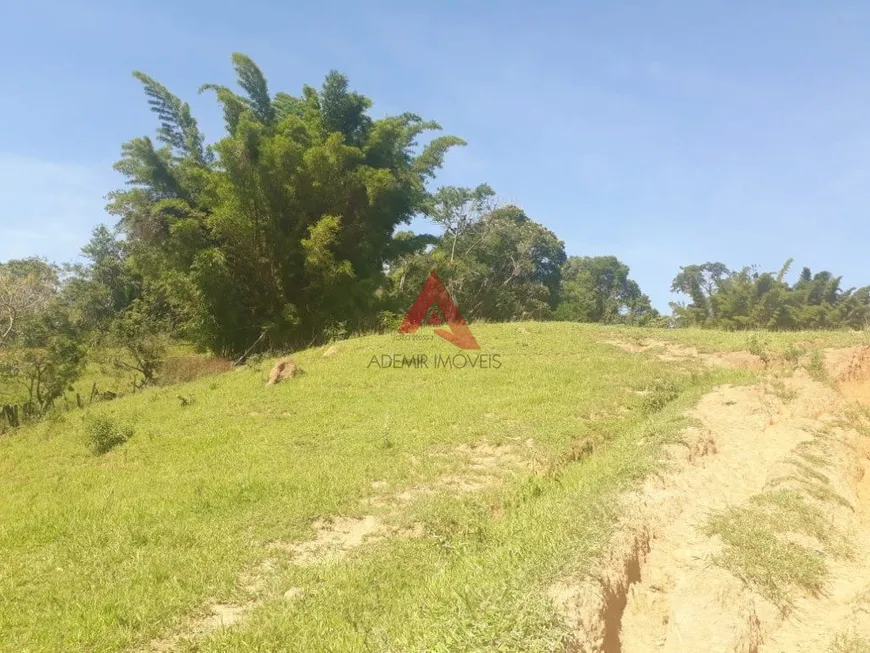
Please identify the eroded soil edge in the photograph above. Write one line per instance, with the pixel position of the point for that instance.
(662, 586)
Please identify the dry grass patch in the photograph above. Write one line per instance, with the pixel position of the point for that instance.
(850, 642)
(187, 368)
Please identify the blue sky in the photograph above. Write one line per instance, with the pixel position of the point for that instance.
(665, 133)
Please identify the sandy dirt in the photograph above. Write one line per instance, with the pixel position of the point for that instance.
(670, 352)
(657, 587)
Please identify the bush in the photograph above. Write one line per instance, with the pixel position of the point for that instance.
(388, 321)
(759, 347)
(104, 434)
(142, 339)
(335, 331)
(181, 369)
(816, 366)
(792, 353)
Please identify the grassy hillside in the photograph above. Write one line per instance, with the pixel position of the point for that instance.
(504, 478)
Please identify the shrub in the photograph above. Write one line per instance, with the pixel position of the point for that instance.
(388, 321)
(792, 353)
(142, 339)
(759, 347)
(336, 331)
(104, 434)
(816, 366)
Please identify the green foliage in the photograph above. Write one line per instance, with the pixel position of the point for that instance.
(140, 335)
(27, 287)
(816, 366)
(458, 209)
(598, 289)
(758, 347)
(40, 353)
(504, 266)
(105, 433)
(757, 548)
(749, 299)
(38, 376)
(659, 395)
(282, 227)
(95, 293)
(388, 321)
(792, 353)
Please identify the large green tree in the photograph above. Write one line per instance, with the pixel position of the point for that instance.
(505, 266)
(40, 352)
(27, 287)
(284, 226)
(598, 289)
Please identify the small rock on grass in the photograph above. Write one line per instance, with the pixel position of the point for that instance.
(294, 594)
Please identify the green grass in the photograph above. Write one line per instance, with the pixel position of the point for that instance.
(102, 553)
(757, 549)
(781, 344)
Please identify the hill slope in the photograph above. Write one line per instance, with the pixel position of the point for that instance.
(354, 507)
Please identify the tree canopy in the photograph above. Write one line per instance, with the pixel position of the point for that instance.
(749, 299)
(598, 289)
(284, 226)
(505, 266)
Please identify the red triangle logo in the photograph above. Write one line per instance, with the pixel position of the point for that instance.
(434, 293)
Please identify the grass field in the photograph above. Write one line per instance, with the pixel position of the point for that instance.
(507, 476)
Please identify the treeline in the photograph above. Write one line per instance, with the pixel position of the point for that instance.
(285, 232)
(290, 230)
(749, 299)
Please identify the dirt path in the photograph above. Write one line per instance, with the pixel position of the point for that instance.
(660, 588)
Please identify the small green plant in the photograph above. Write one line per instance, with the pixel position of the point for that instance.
(781, 390)
(388, 321)
(816, 366)
(792, 353)
(857, 418)
(758, 347)
(756, 551)
(104, 434)
(660, 395)
(336, 331)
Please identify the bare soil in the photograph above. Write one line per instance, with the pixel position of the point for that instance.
(669, 352)
(658, 587)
